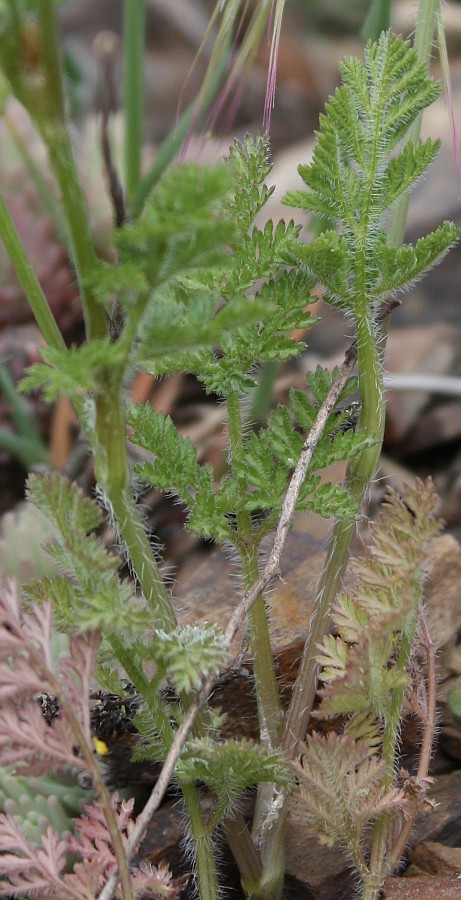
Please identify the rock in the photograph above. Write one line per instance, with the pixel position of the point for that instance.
(422, 888)
(431, 858)
(441, 823)
(213, 591)
(438, 426)
(431, 350)
(325, 869)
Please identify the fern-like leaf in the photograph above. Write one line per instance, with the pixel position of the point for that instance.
(272, 454)
(183, 226)
(43, 871)
(64, 503)
(343, 789)
(248, 325)
(358, 172)
(176, 468)
(28, 668)
(90, 596)
(175, 326)
(364, 121)
(229, 768)
(187, 655)
(75, 372)
(359, 669)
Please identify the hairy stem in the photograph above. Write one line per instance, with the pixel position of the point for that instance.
(359, 474)
(269, 706)
(379, 866)
(158, 792)
(246, 853)
(270, 713)
(428, 13)
(207, 878)
(394, 852)
(113, 475)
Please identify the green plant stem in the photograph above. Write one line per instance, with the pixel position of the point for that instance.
(53, 127)
(269, 707)
(359, 474)
(166, 153)
(427, 20)
(32, 290)
(134, 12)
(378, 867)
(113, 475)
(270, 713)
(29, 281)
(270, 885)
(264, 390)
(378, 19)
(112, 472)
(138, 679)
(200, 832)
(362, 468)
(207, 877)
(39, 180)
(244, 853)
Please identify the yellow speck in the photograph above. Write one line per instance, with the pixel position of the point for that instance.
(101, 747)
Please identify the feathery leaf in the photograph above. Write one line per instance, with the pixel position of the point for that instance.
(358, 171)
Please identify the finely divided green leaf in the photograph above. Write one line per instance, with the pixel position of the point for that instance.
(358, 171)
(91, 596)
(63, 502)
(183, 226)
(229, 768)
(175, 468)
(75, 372)
(400, 266)
(172, 325)
(327, 260)
(404, 170)
(189, 654)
